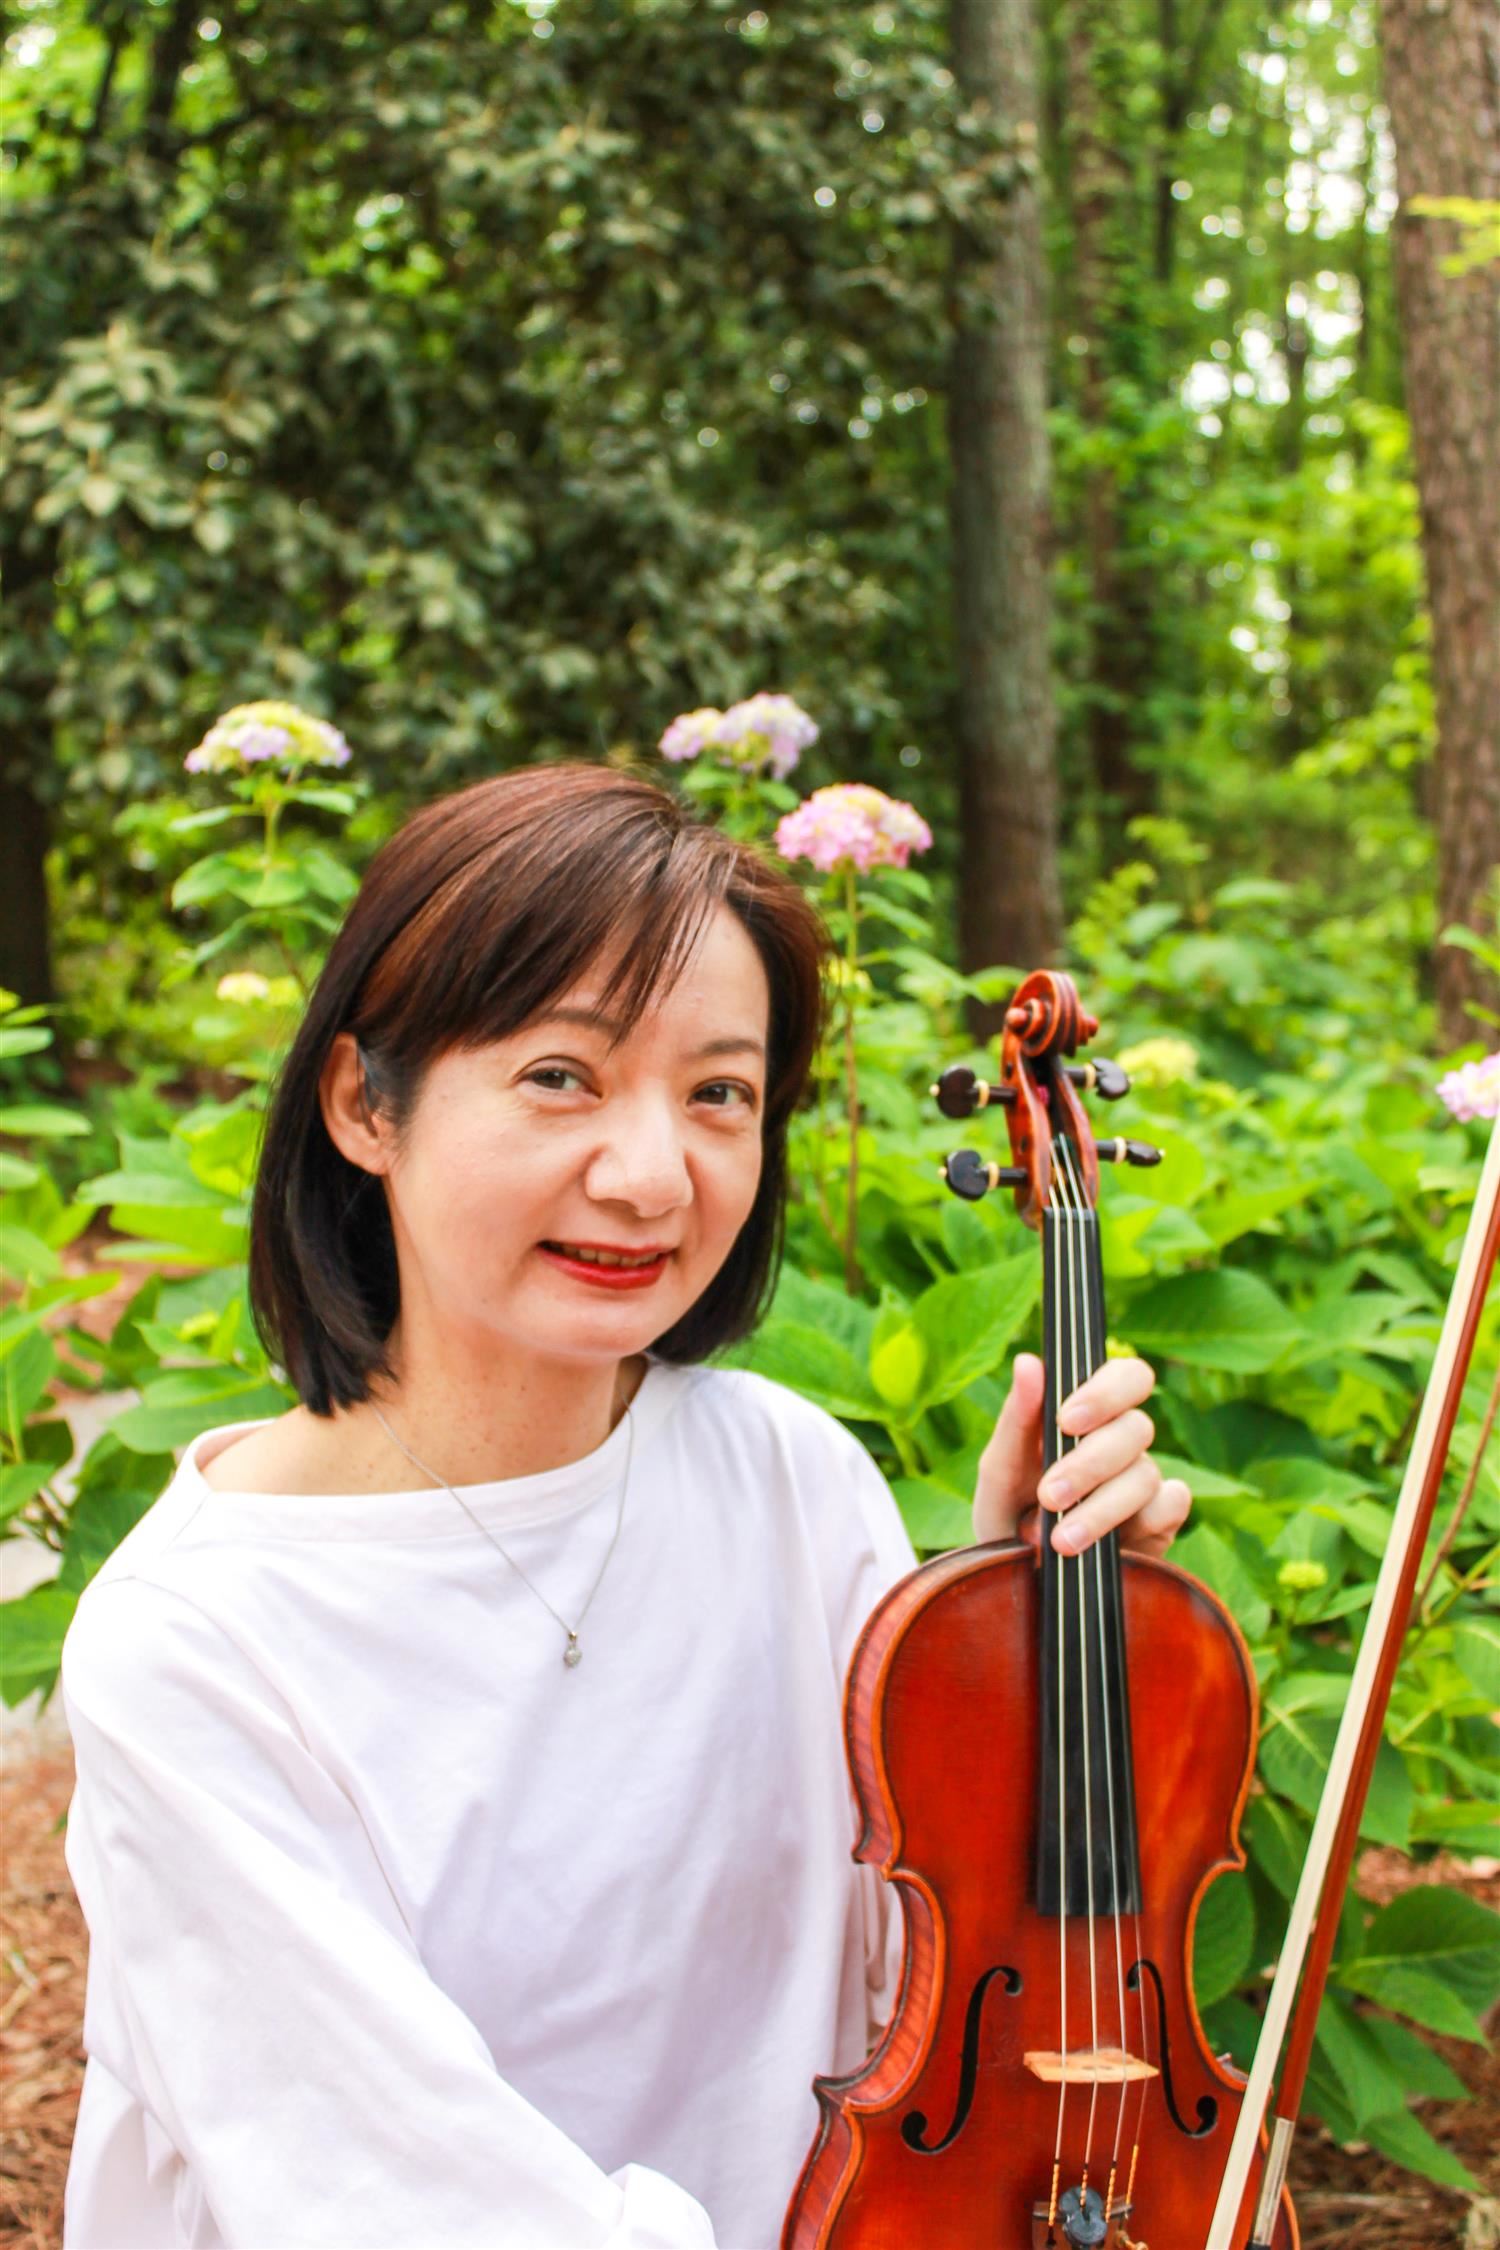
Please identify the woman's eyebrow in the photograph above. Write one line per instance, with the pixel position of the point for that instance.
(591, 1019)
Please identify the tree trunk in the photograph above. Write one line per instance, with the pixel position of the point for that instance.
(1010, 898)
(25, 952)
(1442, 73)
(1111, 323)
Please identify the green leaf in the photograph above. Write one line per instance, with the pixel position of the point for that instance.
(1437, 1937)
(25, 1373)
(179, 1406)
(935, 1518)
(1402, 2137)
(152, 1174)
(1370, 2084)
(1412, 1992)
(25, 1257)
(31, 1639)
(817, 1365)
(967, 1320)
(1476, 1652)
(1223, 1939)
(21, 1481)
(1227, 1319)
(1276, 1841)
(1294, 1758)
(1211, 1556)
(42, 1121)
(115, 1488)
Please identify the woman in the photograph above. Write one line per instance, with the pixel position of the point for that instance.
(461, 1820)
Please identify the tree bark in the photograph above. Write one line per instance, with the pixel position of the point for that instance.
(1442, 74)
(1010, 897)
(1111, 324)
(25, 950)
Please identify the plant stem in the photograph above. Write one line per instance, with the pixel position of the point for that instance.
(1461, 1505)
(851, 1083)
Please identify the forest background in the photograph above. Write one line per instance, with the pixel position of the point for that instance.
(1056, 403)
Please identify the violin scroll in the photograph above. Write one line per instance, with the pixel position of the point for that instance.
(1038, 1089)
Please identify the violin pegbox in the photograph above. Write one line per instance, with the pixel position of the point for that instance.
(1045, 1025)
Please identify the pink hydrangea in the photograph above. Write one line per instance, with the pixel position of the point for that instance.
(1473, 1090)
(690, 733)
(851, 823)
(764, 734)
(259, 733)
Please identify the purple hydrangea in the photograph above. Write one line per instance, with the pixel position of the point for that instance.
(689, 734)
(852, 824)
(764, 734)
(263, 733)
(1473, 1089)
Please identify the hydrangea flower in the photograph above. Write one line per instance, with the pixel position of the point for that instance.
(764, 734)
(689, 734)
(259, 733)
(853, 824)
(1159, 1062)
(244, 987)
(1473, 1090)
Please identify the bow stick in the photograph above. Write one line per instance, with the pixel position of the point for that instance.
(1330, 1853)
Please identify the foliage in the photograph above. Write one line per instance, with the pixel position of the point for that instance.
(1285, 1267)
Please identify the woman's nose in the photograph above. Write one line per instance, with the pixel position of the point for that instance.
(641, 1160)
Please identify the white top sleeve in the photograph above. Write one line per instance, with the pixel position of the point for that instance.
(266, 2001)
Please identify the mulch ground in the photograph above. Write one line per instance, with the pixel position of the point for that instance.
(1348, 2199)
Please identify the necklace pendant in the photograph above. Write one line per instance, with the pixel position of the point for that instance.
(572, 1654)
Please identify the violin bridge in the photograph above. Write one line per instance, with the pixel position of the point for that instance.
(1088, 2066)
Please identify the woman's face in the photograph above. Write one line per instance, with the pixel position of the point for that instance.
(550, 1143)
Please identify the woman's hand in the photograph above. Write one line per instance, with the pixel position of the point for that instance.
(1106, 1482)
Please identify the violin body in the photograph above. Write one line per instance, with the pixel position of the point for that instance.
(943, 2140)
(1051, 1754)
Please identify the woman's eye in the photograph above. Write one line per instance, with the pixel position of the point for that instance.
(549, 1072)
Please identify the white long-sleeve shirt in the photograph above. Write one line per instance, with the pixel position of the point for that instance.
(403, 1933)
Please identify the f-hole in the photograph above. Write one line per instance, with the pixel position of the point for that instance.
(1208, 2108)
(914, 2125)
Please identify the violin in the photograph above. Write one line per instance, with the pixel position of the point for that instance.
(1050, 1755)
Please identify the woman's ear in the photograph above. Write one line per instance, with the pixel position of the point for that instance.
(349, 1112)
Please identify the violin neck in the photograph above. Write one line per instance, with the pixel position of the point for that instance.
(1087, 1855)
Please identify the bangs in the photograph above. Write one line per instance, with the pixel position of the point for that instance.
(508, 934)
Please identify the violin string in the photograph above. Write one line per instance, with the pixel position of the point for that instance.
(1059, 1393)
(1144, 2090)
(1081, 1368)
(1086, 1297)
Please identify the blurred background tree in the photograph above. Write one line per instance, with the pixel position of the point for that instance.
(1024, 387)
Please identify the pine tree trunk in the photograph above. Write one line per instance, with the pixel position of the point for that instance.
(1010, 898)
(1111, 317)
(25, 950)
(1442, 72)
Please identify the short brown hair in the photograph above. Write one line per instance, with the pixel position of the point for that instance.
(470, 921)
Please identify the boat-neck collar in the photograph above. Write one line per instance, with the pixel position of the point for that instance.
(429, 1510)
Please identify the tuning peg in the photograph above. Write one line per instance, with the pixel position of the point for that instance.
(958, 1093)
(967, 1173)
(1127, 1152)
(1106, 1079)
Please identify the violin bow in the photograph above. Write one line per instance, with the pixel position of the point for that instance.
(1330, 1853)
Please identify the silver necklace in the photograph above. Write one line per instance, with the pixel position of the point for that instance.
(572, 1653)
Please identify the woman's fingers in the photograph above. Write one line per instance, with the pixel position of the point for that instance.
(1109, 1391)
(1105, 1452)
(1146, 1508)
